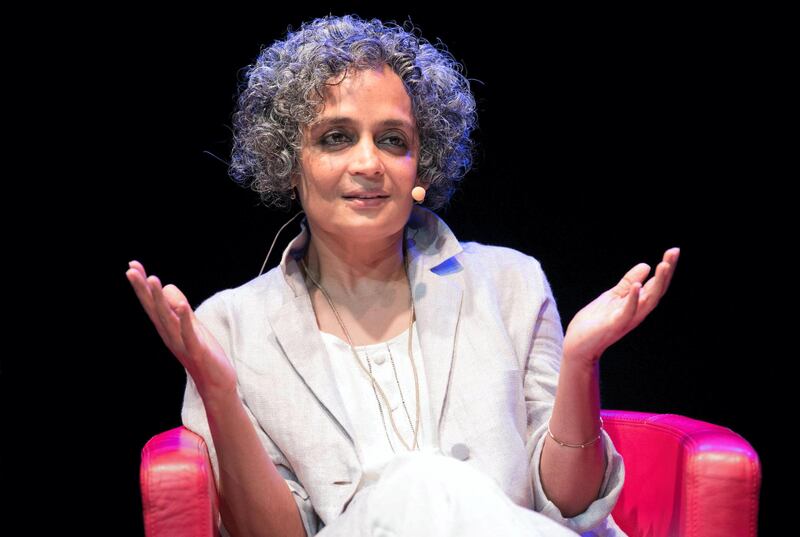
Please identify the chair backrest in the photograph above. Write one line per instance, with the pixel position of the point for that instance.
(683, 477)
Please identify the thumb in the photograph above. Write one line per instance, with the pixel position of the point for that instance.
(635, 274)
(174, 296)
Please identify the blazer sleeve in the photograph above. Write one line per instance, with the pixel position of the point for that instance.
(541, 381)
(215, 315)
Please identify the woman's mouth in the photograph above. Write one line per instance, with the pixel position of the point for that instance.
(366, 202)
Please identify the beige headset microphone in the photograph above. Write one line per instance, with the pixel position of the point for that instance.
(276, 238)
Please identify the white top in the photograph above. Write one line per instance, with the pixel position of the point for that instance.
(362, 405)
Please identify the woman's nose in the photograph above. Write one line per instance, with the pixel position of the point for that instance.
(366, 158)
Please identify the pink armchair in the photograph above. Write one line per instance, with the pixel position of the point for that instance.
(683, 478)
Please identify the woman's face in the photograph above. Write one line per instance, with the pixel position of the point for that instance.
(358, 152)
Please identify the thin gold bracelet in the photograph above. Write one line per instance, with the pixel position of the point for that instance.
(599, 434)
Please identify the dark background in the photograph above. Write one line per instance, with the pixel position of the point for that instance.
(604, 139)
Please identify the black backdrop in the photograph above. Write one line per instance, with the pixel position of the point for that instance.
(604, 139)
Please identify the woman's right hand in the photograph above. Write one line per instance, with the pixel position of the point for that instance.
(183, 333)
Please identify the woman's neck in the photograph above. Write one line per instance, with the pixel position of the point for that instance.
(356, 270)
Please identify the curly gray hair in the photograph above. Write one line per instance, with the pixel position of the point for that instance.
(284, 88)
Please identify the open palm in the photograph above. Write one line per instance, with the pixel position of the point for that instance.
(183, 333)
(619, 310)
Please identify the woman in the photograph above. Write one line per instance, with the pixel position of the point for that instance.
(386, 378)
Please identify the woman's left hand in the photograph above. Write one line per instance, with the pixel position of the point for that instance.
(618, 311)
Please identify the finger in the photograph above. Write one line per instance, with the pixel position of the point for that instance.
(658, 285)
(174, 296)
(664, 277)
(145, 296)
(168, 318)
(140, 287)
(135, 265)
(665, 270)
(671, 256)
(632, 304)
(137, 277)
(655, 286)
(188, 333)
(137, 269)
(635, 274)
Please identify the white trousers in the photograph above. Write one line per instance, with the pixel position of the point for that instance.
(422, 494)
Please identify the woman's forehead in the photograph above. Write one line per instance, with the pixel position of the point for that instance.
(377, 94)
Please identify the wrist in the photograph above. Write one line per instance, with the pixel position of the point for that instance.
(582, 359)
(579, 368)
(214, 398)
(594, 439)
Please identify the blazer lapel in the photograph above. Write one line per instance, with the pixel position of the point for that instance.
(437, 291)
(297, 332)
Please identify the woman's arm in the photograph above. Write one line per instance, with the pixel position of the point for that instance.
(572, 477)
(254, 498)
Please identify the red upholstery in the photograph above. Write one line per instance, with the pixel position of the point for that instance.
(179, 496)
(683, 478)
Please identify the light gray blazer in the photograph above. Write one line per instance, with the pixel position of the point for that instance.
(491, 341)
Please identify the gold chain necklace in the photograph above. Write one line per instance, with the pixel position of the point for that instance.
(369, 373)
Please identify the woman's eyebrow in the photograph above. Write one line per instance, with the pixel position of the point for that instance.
(344, 120)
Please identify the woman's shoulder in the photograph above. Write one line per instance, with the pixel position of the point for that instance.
(508, 269)
(500, 258)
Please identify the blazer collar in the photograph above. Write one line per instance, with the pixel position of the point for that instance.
(437, 291)
(429, 240)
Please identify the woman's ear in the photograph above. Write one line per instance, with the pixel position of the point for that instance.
(296, 178)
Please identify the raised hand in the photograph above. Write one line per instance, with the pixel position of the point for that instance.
(617, 311)
(183, 333)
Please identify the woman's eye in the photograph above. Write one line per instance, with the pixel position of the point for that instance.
(331, 135)
(334, 139)
(401, 143)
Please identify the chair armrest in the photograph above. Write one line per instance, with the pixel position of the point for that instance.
(179, 496)
(683, 477)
